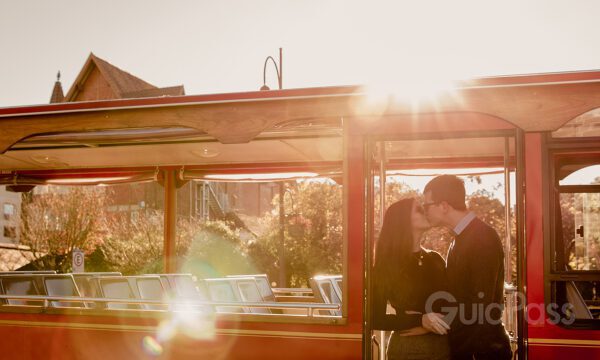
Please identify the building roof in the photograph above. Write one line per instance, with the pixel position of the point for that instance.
(123, 84)
(166, 91)
(13, 256)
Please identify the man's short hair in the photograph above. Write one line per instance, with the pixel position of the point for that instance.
(448, 188)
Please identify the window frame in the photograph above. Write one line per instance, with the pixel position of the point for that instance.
(8, 216)
(557, 152)
(7, 230)
(343, 164)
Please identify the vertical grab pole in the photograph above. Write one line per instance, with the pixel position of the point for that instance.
(369, 338)
(382, 160)
(281, 247)
(507, 218)
(170, 222)
(509, 288)
(521, 300)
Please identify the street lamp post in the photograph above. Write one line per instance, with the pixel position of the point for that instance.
(278, 70)
(281, 250)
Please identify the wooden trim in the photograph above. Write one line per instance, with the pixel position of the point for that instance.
(170, 222)
(152, 329)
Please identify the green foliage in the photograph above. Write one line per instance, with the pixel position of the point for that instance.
(394, 191)
(581, 211)
(133, 245)
(216, 250)
(312, 237)
(56, 222)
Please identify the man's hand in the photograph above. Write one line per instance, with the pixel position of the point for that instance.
(434, 322)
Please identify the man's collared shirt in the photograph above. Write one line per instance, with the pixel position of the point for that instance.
(462, 224)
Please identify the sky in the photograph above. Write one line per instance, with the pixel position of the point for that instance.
(220, 46)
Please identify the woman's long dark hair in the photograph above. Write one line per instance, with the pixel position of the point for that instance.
(394, 246)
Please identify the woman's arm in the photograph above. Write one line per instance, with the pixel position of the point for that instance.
(383, 321)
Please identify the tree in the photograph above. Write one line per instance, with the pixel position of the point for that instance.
(216, 250)
(312, 237)
(132, 245)
(56, 222)
(133, 242)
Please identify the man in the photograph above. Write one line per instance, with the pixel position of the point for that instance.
(475, 270)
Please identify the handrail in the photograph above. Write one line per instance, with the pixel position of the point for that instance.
(292, 290)
(46, 299)
(509, 288)
(376, 342)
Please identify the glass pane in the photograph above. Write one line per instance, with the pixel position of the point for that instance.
(589, 292)
(118, 289)
(186, 287)
(588, 175)
(577, 300)
(249, 292)
(222, 291)
(290, 230)
(9, 209)
(585, 125)
(61, 287)
(580, 220)
(21, 287)
(150, 289)
(119, 228)
(329, 293)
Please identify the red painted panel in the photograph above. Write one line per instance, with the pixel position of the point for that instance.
(355, 229)
(65, 344)
(533, 219)
(563, 352)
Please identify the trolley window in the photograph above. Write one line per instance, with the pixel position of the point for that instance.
(575, 270)
(585, 125)
(268, 211)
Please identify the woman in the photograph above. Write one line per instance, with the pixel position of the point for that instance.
(405, 275)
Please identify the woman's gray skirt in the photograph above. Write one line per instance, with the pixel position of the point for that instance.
(429, 346)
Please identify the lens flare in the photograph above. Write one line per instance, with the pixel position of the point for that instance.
(152, 346)
(195, 324)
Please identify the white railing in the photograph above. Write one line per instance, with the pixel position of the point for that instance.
(46, 303)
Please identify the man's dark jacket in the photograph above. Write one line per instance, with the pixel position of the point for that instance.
(475, 270)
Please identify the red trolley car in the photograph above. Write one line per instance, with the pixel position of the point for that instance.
(537, 133)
